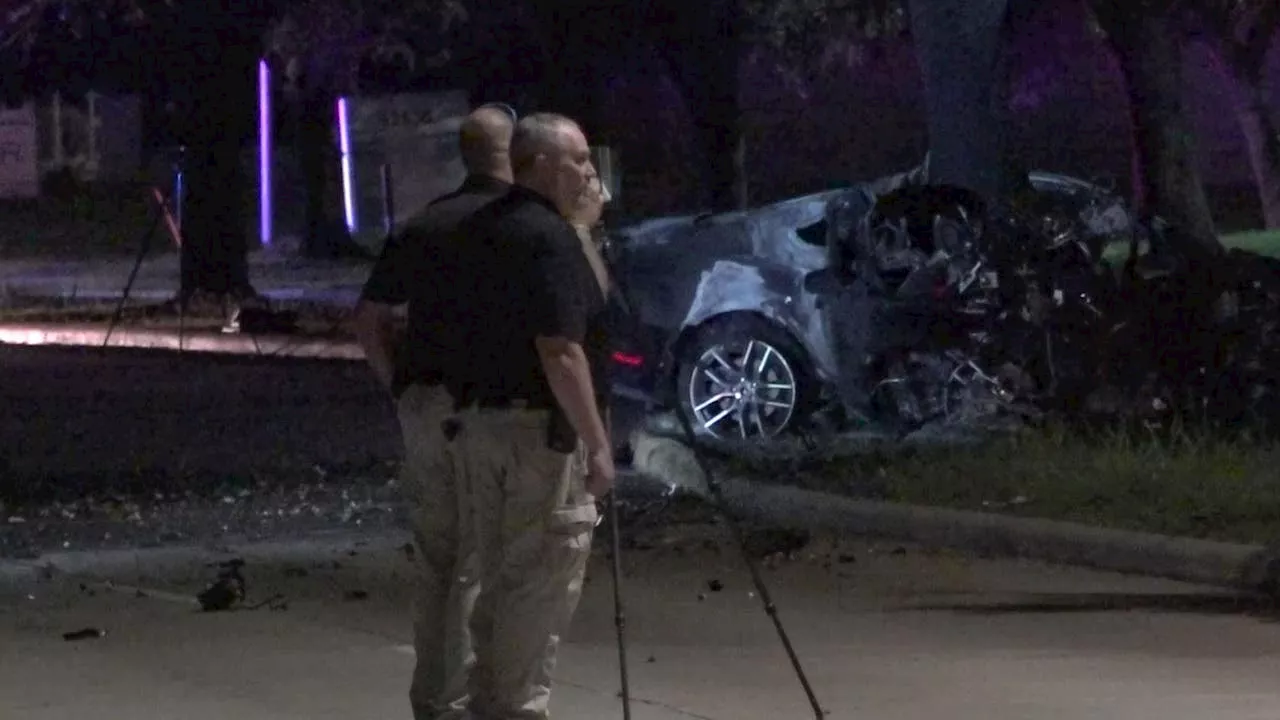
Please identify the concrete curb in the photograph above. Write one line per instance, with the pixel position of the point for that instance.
(159, 560)
(1242, 567)
(202, 341)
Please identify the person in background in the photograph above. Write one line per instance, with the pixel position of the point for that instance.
(529, 441)
(585, 218)
(408, 366)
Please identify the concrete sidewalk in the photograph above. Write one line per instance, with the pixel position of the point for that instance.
(278, 275)
(883, 632)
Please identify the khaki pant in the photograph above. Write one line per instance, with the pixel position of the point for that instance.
(443, 597)
(504, 527)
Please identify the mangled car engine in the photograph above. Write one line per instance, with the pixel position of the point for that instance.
(949, 308)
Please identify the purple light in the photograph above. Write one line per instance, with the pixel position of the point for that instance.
(264, 151)
(348, 179)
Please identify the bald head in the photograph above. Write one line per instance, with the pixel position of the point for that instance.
(538, 134)
(549, 154)
(485, 142)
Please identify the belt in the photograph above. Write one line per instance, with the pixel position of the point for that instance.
(500, 404)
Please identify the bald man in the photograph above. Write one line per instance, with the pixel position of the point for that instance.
(531, 444)
(407, 273)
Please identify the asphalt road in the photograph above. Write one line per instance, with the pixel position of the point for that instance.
(882, 632)
(121, 446)
(71, 415)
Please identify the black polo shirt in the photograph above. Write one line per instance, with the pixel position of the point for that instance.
(411, 262)
(519, 272)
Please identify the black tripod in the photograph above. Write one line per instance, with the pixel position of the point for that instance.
(144, 245)
(717, 496)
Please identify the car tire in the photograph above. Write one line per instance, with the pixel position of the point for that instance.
(753, 399)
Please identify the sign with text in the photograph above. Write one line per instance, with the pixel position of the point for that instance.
(416, 135)
(19, 164)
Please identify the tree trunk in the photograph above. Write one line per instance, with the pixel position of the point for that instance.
(214, 256)
(579, 38)
(215, 67)
(1167, 180)
(705, 64)
(962, 54)
(1261, 135)
(220, 121)
(1240, 52)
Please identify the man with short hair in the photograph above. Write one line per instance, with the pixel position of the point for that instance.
(530, 444)
(408, 272)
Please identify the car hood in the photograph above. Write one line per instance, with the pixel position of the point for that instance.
(774, 231)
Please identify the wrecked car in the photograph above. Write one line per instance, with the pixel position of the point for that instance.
(740, 321)
(896, 305)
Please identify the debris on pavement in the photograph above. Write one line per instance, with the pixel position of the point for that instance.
(227, 591)
(128, 511)
(715, 585)
(355, 595)
(85, 634)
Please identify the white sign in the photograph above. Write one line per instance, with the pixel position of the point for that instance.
(19, 165)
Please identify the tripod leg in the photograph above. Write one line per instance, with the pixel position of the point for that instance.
(770, 609)
(144, 247)
(620, 621)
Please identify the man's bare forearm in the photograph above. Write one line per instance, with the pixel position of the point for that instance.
(569, 375)
(374, 326)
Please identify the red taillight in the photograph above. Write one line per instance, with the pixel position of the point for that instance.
(629, 360)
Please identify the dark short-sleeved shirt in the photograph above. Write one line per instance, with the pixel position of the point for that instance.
(411, 262)
(519, 272)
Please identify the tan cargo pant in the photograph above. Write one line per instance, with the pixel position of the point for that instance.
(444, 595)
(520, 525)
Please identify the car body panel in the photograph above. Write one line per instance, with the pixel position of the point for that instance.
(677, 273)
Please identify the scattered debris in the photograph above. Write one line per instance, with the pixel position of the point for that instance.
(355, 595)
(1023, 316)
(715, 585)
(85, 634)
(227, 591)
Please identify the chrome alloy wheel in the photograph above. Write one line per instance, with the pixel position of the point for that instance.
(742, 390)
